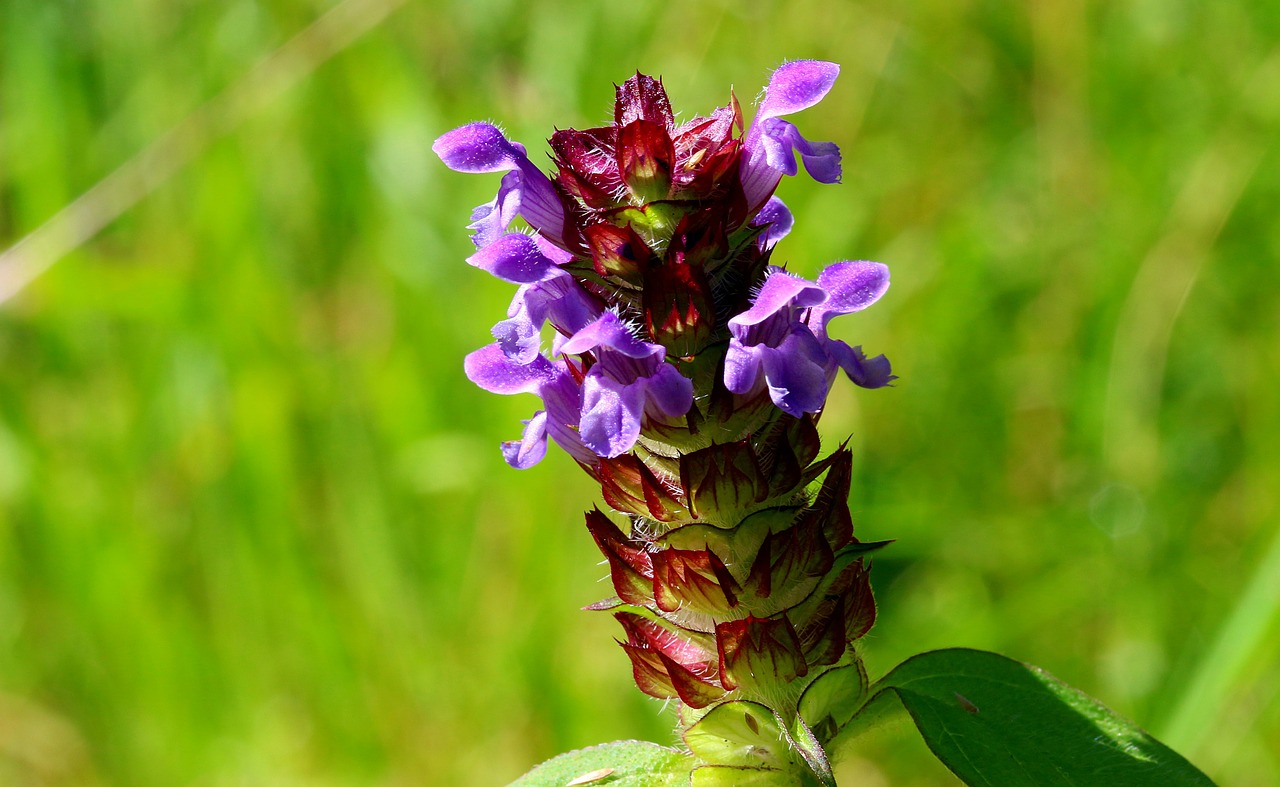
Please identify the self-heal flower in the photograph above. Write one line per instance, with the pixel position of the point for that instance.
(628, 379)
(851, 287)
(771, 340)
(491, 369)
(557, 299)
(684, 375)
(783, 338)
(771, 143)
(546, 294)
(777, 221)
(525, 190)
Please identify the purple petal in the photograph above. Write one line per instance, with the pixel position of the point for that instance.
(850, 287)
(780, 290)
(516, 258)
(491, 369)
(767, 145)
(609, 331)
(611, 414)
(776, 220)
(558, 298)
(531, 447)
(863, 371)
(781, 139)
(563, 400)
(742, 366)
(491, 219)
(519, 338)
(481, 147)
(669, 392)
(796, 373)
(553, 252)
(797, 85)
(478, 147)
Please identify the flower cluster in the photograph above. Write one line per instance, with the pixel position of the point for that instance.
(650, 248)
(686, 373)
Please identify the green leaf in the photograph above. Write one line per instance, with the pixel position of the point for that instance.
(996, 721)
(617, 764)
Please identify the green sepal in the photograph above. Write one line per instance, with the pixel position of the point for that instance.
(835, 583)
(865, 547)
(801, 737)
(618, 764)
(830, 702)
(758, 654)
(654, 221)
(742, 539)
(723, 480)
(741, 734)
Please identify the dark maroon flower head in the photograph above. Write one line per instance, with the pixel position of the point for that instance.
(644, 157)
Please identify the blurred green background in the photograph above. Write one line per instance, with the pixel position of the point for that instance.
(254, 525)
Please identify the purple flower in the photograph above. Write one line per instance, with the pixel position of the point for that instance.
(546, 292)
(783, 336)
(629, 380)
(770, 144)
(558, 299)
(771, 337)
(525, 190)
(491, 369)
(520, 259)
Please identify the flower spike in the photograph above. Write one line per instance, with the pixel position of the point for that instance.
(685, 374)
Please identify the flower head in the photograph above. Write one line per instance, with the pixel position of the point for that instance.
(674, 224)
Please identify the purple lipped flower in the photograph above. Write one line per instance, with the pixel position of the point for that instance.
(629, 380)
(519, 258)
(770, 145)
(772, 340)
(546, 292)
(558, 299)
(783, 336)
(491, 369)
(525, 190)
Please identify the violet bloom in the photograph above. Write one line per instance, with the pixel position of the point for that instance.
(559, 300)
(525, 190)
(770, 145)
(783, 336)
(491, 369)
(772, 338)
(546, 294)
(629, 380)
